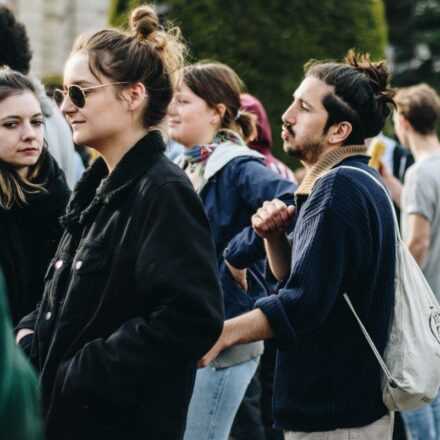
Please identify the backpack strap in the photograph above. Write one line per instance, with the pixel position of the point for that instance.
(392, 382)
(396, 223)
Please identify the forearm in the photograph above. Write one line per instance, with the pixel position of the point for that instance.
(395, 188)
(250, 327)
(419, 250)
(278, 251)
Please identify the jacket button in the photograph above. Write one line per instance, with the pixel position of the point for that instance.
(58, 264)
(48, 315)
(78, 265)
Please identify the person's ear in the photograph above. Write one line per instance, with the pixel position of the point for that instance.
(218, 114)
(404, 123)
(135, 95)
(338, 133)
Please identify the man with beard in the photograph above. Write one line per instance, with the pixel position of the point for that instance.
(327, 380)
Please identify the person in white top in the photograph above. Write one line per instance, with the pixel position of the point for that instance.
(415, 122)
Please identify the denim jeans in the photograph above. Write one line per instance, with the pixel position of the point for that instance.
(254, 418)
(215, 400)
(424, 423)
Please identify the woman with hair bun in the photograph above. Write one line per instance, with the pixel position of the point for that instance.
(132, 298)
(233, 182)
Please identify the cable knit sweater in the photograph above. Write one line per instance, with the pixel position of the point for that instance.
(343, 241)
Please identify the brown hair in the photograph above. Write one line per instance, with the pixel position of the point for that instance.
(149, 54)
(420, 105)
(14, 188)
(361, 94)
(217, 83)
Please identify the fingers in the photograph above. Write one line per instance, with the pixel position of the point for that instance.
(384, 171)
(212, 353)
(273, 217)
(290, 211)
(259, 226)
(204, 362)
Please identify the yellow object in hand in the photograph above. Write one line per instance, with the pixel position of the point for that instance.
(377, 151)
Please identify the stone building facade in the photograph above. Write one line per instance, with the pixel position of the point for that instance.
(53, 25)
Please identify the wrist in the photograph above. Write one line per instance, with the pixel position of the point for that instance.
(276, 238)
(23, 332)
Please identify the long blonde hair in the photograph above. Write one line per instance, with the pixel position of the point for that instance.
(14, 189)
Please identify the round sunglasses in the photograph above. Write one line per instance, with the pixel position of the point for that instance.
(76, 94)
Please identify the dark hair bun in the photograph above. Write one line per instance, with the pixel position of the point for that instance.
(377, 74)
(144, 22)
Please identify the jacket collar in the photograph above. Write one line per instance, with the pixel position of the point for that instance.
(97, 186)
(326, 163)
(223, 154)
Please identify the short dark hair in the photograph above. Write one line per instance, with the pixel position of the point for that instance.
(361, 94)
(16, 52)
(420, 105)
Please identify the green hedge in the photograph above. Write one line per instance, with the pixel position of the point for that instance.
(267, 43)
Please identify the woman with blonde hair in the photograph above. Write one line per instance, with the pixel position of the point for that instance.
(132, 298)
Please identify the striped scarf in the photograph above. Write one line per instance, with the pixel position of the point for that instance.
(201, 153)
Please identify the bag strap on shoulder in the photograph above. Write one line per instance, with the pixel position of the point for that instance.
(392, 382)
(396, 223)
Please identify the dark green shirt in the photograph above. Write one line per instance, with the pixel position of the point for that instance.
(19, 396)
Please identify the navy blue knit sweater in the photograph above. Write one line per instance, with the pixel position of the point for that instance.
(326, 375)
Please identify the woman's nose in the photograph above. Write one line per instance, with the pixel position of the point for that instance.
(67, 106)
(29, 133)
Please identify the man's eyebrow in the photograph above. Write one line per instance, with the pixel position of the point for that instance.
(303, 101)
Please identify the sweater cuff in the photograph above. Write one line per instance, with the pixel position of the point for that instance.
(272, 307)
(235, 259)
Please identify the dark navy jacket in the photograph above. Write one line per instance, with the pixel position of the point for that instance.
(231, 196)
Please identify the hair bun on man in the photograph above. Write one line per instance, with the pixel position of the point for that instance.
(144, 22)
(377, 74)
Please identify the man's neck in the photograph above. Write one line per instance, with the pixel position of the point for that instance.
(423, 146)
(309, 163)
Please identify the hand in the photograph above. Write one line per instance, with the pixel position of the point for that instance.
(212, 354)
(393, 183)
(272, 219)
(239, 275)
(22, 333)
(384, 171)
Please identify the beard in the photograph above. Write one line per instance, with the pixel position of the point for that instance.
(309, 152)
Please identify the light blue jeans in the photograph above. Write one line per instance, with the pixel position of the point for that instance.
(424, 423)
(215, 400)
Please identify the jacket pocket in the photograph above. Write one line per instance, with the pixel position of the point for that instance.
(87, 263)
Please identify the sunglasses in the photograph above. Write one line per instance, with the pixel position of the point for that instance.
(76, 94)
